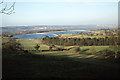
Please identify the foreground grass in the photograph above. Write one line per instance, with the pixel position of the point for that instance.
(57, 65)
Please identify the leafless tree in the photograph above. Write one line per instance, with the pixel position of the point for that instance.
(7, 9)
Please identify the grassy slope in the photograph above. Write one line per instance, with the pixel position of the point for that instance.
(58, 64)
(29, 44)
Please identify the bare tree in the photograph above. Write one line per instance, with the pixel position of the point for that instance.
(7, 9)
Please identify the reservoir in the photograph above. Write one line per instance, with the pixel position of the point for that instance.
(50, 34)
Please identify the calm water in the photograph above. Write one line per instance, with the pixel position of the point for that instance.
(33, 36)
(50, 34)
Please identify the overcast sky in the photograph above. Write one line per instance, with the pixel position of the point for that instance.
(63, 12)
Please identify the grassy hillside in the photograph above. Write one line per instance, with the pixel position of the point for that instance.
(59, 64)
(29, 44)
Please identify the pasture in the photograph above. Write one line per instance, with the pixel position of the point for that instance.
(65, 64)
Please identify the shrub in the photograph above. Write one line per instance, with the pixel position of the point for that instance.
(53, 45)
(107, 52)
(11, 45)
(50, 48)
(37, 47)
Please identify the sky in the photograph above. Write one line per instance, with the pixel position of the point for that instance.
(62, 12)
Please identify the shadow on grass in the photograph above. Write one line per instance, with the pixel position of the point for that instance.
(84, 50)
(59, 49)
(57, 67)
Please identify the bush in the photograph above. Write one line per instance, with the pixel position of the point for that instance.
(59, 49)
(107, 52)
(37, 47)
(11, 45)
(50, 48)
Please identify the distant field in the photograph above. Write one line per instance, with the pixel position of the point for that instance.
(97, 34)
(80, 36)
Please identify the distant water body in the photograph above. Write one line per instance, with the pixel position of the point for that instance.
(51, 34)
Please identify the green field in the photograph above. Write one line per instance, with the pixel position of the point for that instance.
(29, 44)
(59, 64)
(97, 34)
(80, 36)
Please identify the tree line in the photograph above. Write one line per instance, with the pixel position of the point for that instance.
(79, 41)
